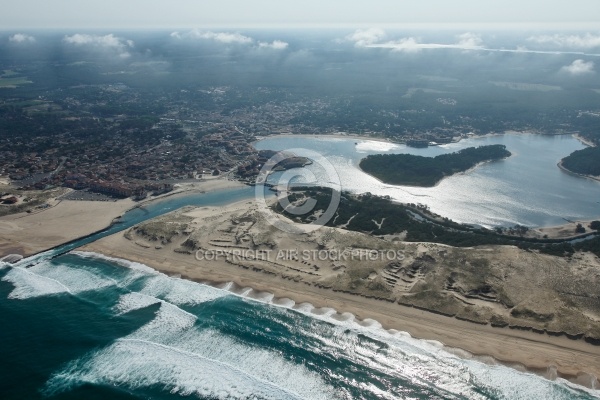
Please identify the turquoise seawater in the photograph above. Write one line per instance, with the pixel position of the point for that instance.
(89, 327)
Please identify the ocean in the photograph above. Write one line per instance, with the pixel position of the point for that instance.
(85, 326)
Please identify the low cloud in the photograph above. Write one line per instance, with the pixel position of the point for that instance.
(373, 38)
(587, 41)
(275, 45)
(121, 47)
(221, 37)
(470, 40)
(366, 37)
(414, 44)
(579, 67)
(21, 38)
(229, 38)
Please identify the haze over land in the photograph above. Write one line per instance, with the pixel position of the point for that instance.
(173, 88)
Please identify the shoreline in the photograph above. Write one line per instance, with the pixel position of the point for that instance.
(345, 135)
(550, 357)
(550, 373)
(219, 184)
(326, 136)
(564, 169)
(28, 234)
(583, 140)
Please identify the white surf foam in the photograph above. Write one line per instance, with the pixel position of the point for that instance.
(171, 352)
(77, 280)
(427, 361)
(134, 301)
(138, 364)
(435, 366)
(181, 291)
(28, 284)
(174, 329)
(170, 320)
(119, 261)
(422, 361)
(513, 384)
(171, 289)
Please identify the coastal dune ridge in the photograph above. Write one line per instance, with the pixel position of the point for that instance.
(304, 288)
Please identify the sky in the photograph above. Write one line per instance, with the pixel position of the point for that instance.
(144, 14)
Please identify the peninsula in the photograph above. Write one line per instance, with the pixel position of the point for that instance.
(584, 162)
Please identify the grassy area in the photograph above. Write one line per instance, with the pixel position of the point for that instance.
(8, 73)
(11, 83)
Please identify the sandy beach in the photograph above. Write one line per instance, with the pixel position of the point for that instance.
(67, 220)
(27, 234)
(542, 353)
(564, 231)
(584, 140)
(559, 165)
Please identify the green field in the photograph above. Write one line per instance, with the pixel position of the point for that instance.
(11, 83)
(8, 73)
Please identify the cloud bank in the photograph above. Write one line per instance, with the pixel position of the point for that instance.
(587, 41)
(579, 67)
(470, 40)
(366, 37)
(373, 38)
(21, 38)
(276, 45)
(229, 38)
(222, 37)
(121, 47)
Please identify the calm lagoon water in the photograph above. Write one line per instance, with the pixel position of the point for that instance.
(528, 188)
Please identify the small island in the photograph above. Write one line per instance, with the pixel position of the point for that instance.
(583, 162)
(411, 170)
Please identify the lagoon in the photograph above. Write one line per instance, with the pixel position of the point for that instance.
(527, 188)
